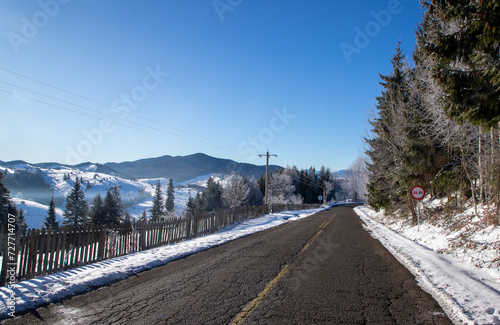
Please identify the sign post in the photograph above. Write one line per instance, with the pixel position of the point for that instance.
(418, 193)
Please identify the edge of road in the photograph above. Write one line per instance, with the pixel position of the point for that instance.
(438, 275)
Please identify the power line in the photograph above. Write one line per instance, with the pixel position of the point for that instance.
(105, 114)
(179, 138)
(108, 106)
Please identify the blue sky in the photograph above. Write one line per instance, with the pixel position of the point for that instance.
(120, 80)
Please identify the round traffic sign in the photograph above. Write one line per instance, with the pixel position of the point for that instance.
(418, 192)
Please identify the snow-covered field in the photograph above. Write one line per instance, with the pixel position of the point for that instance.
(464, 279)
(32, 293)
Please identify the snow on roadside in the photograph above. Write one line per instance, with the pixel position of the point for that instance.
(468, 295)
(56, 287)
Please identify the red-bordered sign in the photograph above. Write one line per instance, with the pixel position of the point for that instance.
(418, 192)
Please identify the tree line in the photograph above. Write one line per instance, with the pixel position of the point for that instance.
(110, 210)
(79, 211)
(436, 122)
(288, 185)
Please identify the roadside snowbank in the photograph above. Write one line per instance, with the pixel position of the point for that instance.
(468, 294)
(53, 288)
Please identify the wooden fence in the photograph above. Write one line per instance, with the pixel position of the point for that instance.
(38, 252)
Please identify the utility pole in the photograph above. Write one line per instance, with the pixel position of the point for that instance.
(267, 174)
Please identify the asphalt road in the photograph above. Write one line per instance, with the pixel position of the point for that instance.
(325, 269)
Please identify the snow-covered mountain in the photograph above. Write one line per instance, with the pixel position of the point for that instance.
(58, 180)
(183, 168)
(32, 185)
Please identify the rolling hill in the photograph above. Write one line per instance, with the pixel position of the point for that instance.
(183, 168)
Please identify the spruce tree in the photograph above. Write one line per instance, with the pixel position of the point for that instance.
(144, 216)
(463, 39)
(389, 146)
(97, 216)
(191, 206)
(113, 207)
(403, 151)
(6, 205)
(170, 203)
(157, 212)
(127, 221)
(50, 221)
(21, 221)
(261, 181)
(77, 207)
(212, 196)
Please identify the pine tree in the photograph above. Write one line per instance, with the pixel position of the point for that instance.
(191, 206)
(170, 203)
(97, 215)
(127, 221)
(463, 39)
(198, 203)
(211, 197)
(157, 212)
(402, 151)
(389, 146)
(261, 181)
(112, 206)
(77, 207)
(50, 221)
(6, 205)
(144, 216)
(21, 221)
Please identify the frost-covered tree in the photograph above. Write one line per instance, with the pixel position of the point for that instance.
(357, 180)
(282, 190)
(327, 187)
(236, 192)
(463, 39)
(458, 62)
